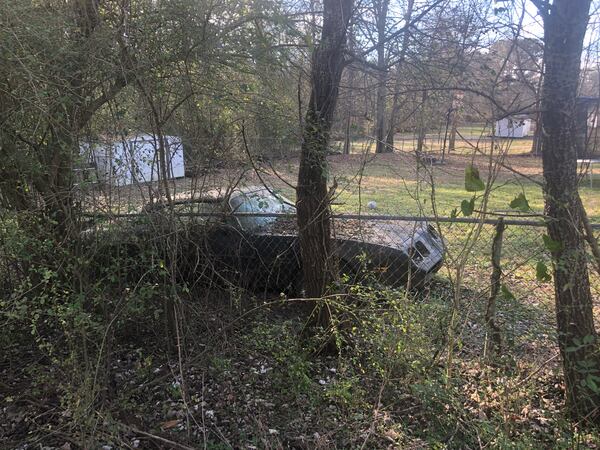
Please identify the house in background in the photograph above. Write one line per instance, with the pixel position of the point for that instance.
(135, 159)
(513, 127)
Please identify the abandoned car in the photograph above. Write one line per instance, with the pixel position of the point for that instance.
(249, 237)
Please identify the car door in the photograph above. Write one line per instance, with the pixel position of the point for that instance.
(228, 250)
(276, 265)
(273, 263)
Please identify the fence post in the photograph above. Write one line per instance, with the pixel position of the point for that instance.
(490, 314)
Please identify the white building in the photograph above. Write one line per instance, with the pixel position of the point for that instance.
(135, 159)
(512, 127)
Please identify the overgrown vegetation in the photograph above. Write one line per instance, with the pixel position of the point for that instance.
(125, 323)
(99, 371)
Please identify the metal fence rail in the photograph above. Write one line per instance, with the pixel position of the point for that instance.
(343, 216)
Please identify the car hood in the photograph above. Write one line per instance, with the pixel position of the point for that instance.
(391, 233)
(396, 234)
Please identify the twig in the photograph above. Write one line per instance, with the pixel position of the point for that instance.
(262, 181)
(504, 165)
(171, 443)
(589, 234)
(283, 180)
(539, 369)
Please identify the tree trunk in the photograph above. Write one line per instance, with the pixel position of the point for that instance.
(453, 126)
(564, 30)
(312, 196)
(381, 9)
(55, 185)
(581, 130)
(396, 98)
(349, 103)
(347, 134)
(536, 145)
(446, 133)
(421, 131)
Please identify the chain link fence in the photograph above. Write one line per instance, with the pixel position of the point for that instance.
(260, 252)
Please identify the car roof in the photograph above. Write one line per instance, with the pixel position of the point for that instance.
(211, 196)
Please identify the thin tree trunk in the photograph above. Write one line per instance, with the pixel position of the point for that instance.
(564, 30)
(421, 128)
(536, 145)
(398, 84)
(446, 133)
(453, 127)
(381, 8)
(347, 136)
(349, 103)
(312, 196)
(55, 185)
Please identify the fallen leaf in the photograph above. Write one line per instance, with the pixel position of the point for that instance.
(170, 424)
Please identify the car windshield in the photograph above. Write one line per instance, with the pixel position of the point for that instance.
(262, 201)
(206, 209)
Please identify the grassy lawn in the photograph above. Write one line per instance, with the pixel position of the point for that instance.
(475, 129)
(400, 186)
(434, 143)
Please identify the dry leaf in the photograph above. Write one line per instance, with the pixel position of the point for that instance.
(170, 424)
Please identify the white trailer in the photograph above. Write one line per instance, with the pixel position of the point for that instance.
(512, 127)
(136, 159)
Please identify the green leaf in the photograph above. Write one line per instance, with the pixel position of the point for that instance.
(586, 364)
(551, 244)
(454, 213)
(467, 206)
(591, 383)
(520, 203)
(541, 272)
(473, 182)
(588, 339)
(506, 293)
